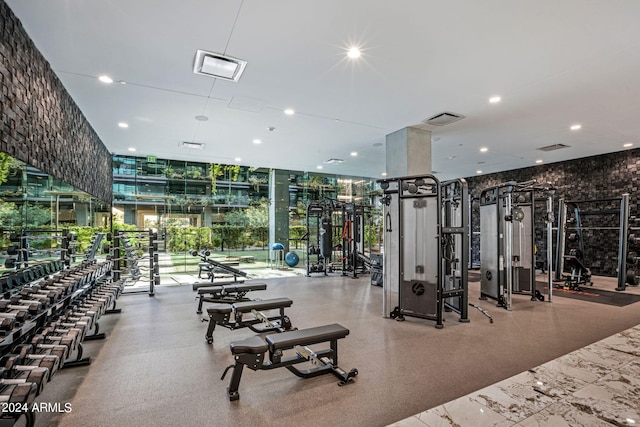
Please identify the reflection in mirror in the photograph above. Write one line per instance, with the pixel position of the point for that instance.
(44, 219)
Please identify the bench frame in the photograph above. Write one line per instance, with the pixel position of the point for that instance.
(325, 361)
(269, 323)
(227, 293)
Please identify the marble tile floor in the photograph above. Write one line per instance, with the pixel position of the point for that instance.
(598, 385)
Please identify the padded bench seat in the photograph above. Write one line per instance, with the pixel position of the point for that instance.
(199, 285)
(309, 336)
(253, 345)
(241, 287)
(269, 304)
(219, 308)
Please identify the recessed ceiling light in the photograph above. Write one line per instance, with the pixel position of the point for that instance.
(495, 99)
(354, 154)
(576, 127)
(318, 167)
(257, 141)
(123, 125)
(238, 159)
(628, 144)
(478, 171)
(484, 149)
(384, 174)
(289, 112)
(539, 161)
(132, 149)
(354, 52)
(202, 118)
(105, 79)
(122, 82)
(271, 128)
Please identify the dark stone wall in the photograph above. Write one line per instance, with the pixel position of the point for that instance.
(589, 178)
(39, 122)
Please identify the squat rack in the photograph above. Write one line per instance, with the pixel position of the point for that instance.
(623, 232)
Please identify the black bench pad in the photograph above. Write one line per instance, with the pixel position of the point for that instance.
(268, 304)
(197, 285)
(219, 308)
(253, 345)
(244, 287)
(309, 336)
(210, 290)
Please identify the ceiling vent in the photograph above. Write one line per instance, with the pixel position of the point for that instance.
(443, 119)
(553, 147)
(218, 66)
(192, 145)
(334, 161)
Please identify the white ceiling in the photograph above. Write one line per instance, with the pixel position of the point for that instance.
(554, 63)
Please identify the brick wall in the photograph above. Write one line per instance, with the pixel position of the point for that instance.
(39, 122)
(597, 177)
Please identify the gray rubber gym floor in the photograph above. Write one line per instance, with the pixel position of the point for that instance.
(156, 369)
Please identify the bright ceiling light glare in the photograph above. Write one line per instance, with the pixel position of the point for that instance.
(384, 174)
(123, 125)
(105, 79)
(238, 159)
(495, 99)
(628, 144)
(318, 167)
(354, 52)
(478, 171)
(484, 149)
(257, 141)
(354, 154)
(539, 161)
(289, 112)
(576, 127)
(132, 149)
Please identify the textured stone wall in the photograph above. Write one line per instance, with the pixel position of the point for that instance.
(39, 122)
(597, 177)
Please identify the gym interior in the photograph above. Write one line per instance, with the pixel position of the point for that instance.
(408, 298)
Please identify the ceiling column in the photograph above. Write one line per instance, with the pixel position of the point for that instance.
(408, 152)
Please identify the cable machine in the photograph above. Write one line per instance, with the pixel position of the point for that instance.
(573, 230)
(507, 240)
(426, 252)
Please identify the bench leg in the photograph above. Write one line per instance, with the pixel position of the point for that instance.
(234, 384)
(200, 304)
(210, 329)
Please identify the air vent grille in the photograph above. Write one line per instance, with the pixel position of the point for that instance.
(333, 161)
(553, 147)
(192, 145)
(443, 119)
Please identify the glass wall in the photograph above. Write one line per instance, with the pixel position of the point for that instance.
(36, 209)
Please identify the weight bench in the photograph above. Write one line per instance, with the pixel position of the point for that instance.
(220, 314)
(251, 353)
(228, 293)
(198, 285)
(580, 274)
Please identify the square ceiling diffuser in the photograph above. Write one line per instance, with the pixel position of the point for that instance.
(218, 66)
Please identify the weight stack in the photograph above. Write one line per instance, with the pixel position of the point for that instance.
(376, 269)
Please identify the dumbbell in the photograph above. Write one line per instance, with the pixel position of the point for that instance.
(23, 358)
(62, 350)
(46, 336)
(62, 327)
(20, 374)
(28, 296)
(52, 293)
(19, 393)
(32, 307)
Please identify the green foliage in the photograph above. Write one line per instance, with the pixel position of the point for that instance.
(186, 238)
(215, 170)
(7, 164)
(232, 171)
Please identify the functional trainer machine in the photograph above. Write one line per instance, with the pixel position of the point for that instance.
(507, 240)
(426, 238)
(572, 230)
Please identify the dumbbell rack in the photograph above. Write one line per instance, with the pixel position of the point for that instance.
(45, 314)
(124, 258)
